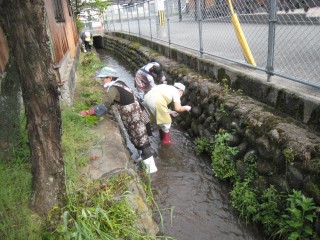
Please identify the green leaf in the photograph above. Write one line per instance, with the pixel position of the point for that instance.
(294, 236)
(308, 230)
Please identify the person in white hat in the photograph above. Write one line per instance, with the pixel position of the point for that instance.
(132, 116)
(86, 40)
(157, 101)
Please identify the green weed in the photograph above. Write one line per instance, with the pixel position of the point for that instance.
(269, 209)
(89, 64)
(297, 222)
(202, 145)
(288, 154)
(222, 157)
(244, 199)
(251, 164)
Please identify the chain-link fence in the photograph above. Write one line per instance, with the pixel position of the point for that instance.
(280, 37)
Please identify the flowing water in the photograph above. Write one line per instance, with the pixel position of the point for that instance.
(194, 204)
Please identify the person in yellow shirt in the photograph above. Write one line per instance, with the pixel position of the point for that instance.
(157, 101)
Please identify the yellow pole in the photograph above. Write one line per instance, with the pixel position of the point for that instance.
(241, 38)
(162, 20)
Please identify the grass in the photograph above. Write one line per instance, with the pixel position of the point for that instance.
(17, 221)
(98, 211)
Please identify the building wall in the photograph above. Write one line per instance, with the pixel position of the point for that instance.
(64, 35)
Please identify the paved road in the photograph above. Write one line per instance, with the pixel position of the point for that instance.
(297, 48)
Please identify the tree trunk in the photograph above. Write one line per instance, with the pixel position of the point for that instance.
(10, 108)
(25, 24)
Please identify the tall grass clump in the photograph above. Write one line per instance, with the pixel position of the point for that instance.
(76, 142)
(99, 210)
(16, 219)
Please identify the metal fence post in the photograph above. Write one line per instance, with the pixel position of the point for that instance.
(138, 20)
(150, 20)
(200, 26)
(106, 21)
(179, 10)
(127, 9)
(168, 24)
(271, 38)
(131, 8)
(114, 28)
(120, 18)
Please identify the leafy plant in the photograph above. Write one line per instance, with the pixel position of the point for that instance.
(269, 211)
(251, 164)
(79, 24)
(89, 83)
(202, 145)
(298, 220)
(90, 63)
(244, 199)
(222, 156)
(288, 154)
(95, 5)
(91, 97)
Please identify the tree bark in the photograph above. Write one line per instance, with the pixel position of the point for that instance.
(25, 24)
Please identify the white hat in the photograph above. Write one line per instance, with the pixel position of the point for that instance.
(180, 86)
(107, 72)
(87, 36)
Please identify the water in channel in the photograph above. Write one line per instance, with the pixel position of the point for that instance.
(193, 203)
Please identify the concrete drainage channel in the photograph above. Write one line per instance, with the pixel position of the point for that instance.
(193, 204)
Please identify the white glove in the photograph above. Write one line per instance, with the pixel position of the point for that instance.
(172, 113)
(188, 108)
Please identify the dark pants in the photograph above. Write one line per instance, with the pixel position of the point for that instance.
(87, 46)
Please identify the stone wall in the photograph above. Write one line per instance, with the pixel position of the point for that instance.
(68, 77)
(257, 129)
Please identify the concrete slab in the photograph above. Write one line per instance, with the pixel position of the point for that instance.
(110, 153)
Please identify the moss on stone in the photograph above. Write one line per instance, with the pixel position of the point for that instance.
(184, 70)
(223, 75)
(313, 190)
